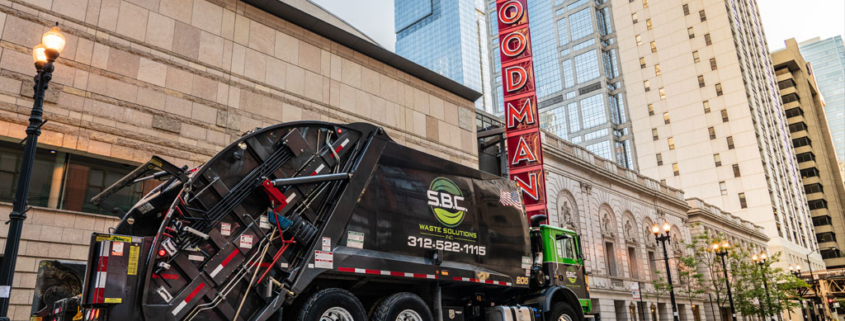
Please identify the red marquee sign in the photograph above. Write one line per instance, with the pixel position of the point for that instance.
(525, 150)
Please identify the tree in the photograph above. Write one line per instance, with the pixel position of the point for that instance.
(691, 281)
(661, 287)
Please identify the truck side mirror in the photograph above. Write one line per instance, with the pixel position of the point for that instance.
(537, 219)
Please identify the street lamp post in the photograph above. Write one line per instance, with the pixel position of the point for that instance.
(761, 261)
(722, 252)
(796, 271)
(52, 43)
(663, 238)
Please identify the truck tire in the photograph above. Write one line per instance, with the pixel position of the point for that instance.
(563, 312)
(332, 304)
(402, 306)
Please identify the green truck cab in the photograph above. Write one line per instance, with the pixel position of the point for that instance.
(563, 262)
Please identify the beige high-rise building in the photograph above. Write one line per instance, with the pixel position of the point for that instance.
(707, 116)
(814, 150)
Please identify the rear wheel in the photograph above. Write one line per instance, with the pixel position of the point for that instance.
(332, 305)
(402, 306)
(563, 312)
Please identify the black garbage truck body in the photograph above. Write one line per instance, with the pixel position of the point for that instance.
(320, 221)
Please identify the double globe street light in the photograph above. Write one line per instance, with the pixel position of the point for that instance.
(44, 54)
(663, 238)
(722, 250)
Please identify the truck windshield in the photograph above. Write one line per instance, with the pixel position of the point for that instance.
(566, 248)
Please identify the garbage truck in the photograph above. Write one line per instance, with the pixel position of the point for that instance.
(319, 221)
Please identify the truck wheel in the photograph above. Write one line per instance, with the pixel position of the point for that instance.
(332, 304)
(402, 306)
(563, 312)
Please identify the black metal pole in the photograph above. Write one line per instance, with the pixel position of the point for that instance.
(19, 207)
(663, 239)
(766, 287)
(642, 308)
(728, 284)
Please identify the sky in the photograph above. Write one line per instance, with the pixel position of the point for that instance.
(782, 19)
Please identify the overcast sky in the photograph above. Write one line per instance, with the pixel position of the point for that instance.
(782, 19)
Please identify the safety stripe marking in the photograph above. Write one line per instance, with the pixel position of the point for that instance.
(188, 299)
(342, 145)
(318, 170)
(388, 273)
(223, 264)
(102, 272)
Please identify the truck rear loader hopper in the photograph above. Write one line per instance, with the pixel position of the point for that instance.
(321, 221)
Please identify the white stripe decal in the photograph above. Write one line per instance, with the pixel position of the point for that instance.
(383, 272)
(343, 144)
(429, 276)
(409, 275)
(101, 279)
(179, 307)
(290, 198)
(216, 270)
(320, 168)
(104, 250)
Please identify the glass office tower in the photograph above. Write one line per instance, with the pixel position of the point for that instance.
(827, 58)
(448, 37)
(580, 91)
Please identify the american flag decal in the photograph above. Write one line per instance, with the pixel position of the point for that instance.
(510, 199)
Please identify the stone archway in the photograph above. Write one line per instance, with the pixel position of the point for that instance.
(568, 215)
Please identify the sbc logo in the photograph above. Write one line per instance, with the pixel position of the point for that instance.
(445, 199)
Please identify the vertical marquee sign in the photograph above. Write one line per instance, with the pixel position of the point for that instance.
(525, 152)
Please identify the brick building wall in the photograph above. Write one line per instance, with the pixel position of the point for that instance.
(183, 78)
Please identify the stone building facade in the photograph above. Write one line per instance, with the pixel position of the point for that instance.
(613, 209)
(181, 79)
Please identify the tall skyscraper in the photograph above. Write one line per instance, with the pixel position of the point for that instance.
(817, 162)
(707, 114)
(448, 37)
(828, 60)
(580, 91)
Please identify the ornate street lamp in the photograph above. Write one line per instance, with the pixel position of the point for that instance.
(52, 43)
(761, 261)
(722, 251)
(663, 238)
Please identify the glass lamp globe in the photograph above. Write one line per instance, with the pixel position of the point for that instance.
(39, 53)
(54, 39)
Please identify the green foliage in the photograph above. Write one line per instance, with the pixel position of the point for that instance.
(661, 287)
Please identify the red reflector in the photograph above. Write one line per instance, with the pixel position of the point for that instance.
(340, 131)
(162, 252)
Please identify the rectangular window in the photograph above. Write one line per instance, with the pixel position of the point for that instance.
(700, 81)
(707, 40)
(663, 181)
(735, 168)
(642, 62)
(611, 259)
(725, 118)
(653, 47)
(695, 56)
(675, 169)
(742, 202)
(723, 188)
(826, 237)
(648, 24)
(712, 131)
(706, 104)
(652, 265)
(730, 140)
(647, 85)
(44, 167)
(702, 16)
(671, 143)
(686, 9)
(813, 188)
(659, 159)
(690, 32)
(657, 70)
(651, 109)
(634, 17)
(805, 157)
(645, 3)
(719, 89)
(713, 64)
(662, 94)
(654, 135)
(632, 262)
(717, 160)
(666, 119)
